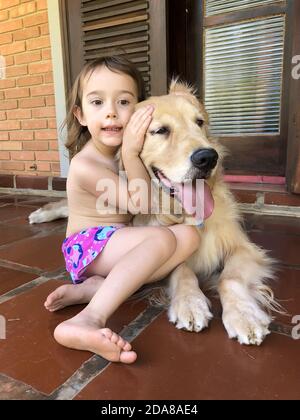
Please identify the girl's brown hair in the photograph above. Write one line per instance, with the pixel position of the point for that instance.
(79, 135)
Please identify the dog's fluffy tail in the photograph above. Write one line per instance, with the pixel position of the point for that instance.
(50, 212)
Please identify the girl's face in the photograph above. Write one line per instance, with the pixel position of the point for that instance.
(108, 101)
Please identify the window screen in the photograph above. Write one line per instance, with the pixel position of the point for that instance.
(215, 7)
(243, 75)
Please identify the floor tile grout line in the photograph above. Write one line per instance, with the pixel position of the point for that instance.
(37, 235)
(8, 244)
(277, 327)
(23, 289)
(14, 385)
(94, 366)
(145, 318)
(21, 267)
(57, 273)
(41, 279)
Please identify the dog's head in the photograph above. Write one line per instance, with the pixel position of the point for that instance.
(177, 147)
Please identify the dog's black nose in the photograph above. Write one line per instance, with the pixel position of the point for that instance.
(205, 159)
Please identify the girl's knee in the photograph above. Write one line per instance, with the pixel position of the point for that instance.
(190, 236)
(166, 240)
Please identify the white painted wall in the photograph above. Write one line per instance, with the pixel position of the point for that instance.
(56, 40)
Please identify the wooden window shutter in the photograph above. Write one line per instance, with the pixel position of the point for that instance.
(119, 27)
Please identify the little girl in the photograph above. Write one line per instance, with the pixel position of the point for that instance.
(108, 259)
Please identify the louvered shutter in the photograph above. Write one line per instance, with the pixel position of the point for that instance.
(117, 27)
(135, 28)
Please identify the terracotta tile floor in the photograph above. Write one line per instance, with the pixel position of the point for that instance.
(172, 364)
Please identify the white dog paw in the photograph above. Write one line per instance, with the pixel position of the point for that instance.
(38, 216)
(190, 312)
(34, 216)
(247, 323)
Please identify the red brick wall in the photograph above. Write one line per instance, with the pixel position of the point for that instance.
(28, 134)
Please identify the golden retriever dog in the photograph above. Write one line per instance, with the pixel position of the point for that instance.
(178, 148)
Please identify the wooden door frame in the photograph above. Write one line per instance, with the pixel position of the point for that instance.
(158, 47)
(73, 38)
(293, 150)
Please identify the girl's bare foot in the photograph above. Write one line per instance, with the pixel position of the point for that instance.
(72, 294)
(81, 333)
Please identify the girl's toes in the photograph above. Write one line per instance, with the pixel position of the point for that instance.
(121, 342)
(114, 338)
(128, 357)
(127, 346)
(107, 332)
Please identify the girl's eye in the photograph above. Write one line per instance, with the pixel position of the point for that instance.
(199, 122)
(124, 102)
(97, 102)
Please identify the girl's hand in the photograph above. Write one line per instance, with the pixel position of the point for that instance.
(134, 134)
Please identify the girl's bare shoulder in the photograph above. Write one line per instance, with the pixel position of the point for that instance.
(85, 156)
(87, 162)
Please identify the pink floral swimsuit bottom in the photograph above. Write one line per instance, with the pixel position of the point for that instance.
(80, 249)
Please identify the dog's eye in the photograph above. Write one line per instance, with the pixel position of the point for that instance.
(161, 130)
(199, 122)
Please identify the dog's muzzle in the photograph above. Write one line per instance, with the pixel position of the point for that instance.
(205, 159)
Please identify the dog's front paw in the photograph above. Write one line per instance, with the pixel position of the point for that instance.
(247, 323)
(190, 312)
(38, 216)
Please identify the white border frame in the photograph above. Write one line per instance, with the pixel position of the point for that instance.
(56, 40)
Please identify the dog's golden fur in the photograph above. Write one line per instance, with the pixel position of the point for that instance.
(225, 248)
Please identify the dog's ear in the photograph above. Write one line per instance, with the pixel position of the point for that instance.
(188, 92)
(185, 90)
(178, 87)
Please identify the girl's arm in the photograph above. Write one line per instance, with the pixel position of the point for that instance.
(133, 141)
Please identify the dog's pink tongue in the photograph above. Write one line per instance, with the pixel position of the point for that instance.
(198, 202)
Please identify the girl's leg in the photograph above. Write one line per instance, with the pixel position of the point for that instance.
(133, 269)
(72, 294)
(187, 241)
